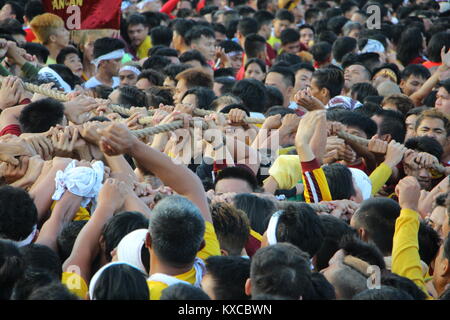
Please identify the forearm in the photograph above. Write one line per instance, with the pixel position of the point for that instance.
(120, 164)
(427, 87)
(11, 116)
(133, 203)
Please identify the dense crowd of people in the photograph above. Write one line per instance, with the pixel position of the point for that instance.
(310, 160)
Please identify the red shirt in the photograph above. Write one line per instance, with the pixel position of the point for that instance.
(11, 129)
(431, 64)
(30, 36)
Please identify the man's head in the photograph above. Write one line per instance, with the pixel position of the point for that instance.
(422, 174)
(303, 76)
(245, 27)
(235, 179)
(443, 97)
(232, 228)
(322, 52)
(18, 216)
(234, 52)
(281, 269)
(283, 79)
(441, 274)
(413, 77)
(70, 57)
(356, 73)
(137, 29)
(252, 93)
(326, 83)
(12, 10)
(290, 41)
(306, 35)
(149, 78)
(161, 35)
(336, 174)
(15, 29)
(298, 225)
(375, 222)
(410, 121)
(202, 39)
(437, 42)
(128, 96)
(398, 102)
(435, 124)
(128, 74)
(265, 21)
(225, 277)
(174, 216)
(180, 29)
(12, 269)
(108, 53)
(255, 47)
(342, 46)
(41, 115)
(50, 30)
(189, 79)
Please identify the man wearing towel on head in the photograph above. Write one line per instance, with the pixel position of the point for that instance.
(108, 53)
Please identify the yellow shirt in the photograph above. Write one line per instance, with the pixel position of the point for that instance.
(82, 213)
(379, 177)
(405, 249)
(142, 50)
(75, 283)
(286, 170)
(212, 248)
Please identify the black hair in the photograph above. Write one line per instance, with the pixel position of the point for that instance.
(66, 51)
(156, 62)
(284, 14)
(383, 293)
(429, 243)
(394, 280)
(238, 173)
(52, 291)
(416, 111)
(197, 33)
(362, 90)
(182, 26)
(254, 44)
(311, 13)
(230, 46)
(163, 51)
(281, 269)
(157, 95)
(417, 70)
(425, 144)
(66, 238)
(336, 24)
(101, 91)
(367, 252)
(156, 78)
(263, 17)
(390, 66)
(347, 5)
(38, 256)
(121, 282)
(187, 56)
(331, 79)
(205, 97)
(173, 69)
(253, 94)
(161, 35)
(435, 45)
(33, 8)
(230, 274)
(259, 62)
(334, 230)
(358, 120)
(220, 28)
(11, 267)
(278, 109)
(224, 73)
(31, 280)
(301, 226)
(247, 26)
(342, 46)
(132, 97)
(18, 214)
(326, 36)
(172, 216)
(274, 97)
(135, 19)
(303, 65)
(323, 290)
(289, 35)
(321, 51)
(106, 45)
(228, 108)
(183, 291)
(332, 12)
(288, 75)
(17, 9)
(12, 26)
(119, 226)
(393, 126)
(37, 49)
(227, 84)
(259, 210)
(291, 59)
(340, 181)
(409, 46)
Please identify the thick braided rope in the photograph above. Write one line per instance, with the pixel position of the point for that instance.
(46, 92)
(177, 124)
(349, 137)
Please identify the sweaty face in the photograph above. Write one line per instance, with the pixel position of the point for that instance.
(423, 175)
(73, 62)
(233, 185)
(306, 36)
(443, 101)
(355, 74)
(412, 84)
(433, 127)
(254, 72)
(205, 46)
(127, 78)
(277, 80)
(137, 34)
(302, 79)
(279, 26)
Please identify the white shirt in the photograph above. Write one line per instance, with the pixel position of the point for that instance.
(93, 82)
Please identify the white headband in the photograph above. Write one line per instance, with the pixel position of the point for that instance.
(109, 56)
(97, 275)
(130, 247)
(130, 68)
(272, 228)
(48, 72)
(28, 239)
(373, 46)
(234, 53)
(141, 4)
